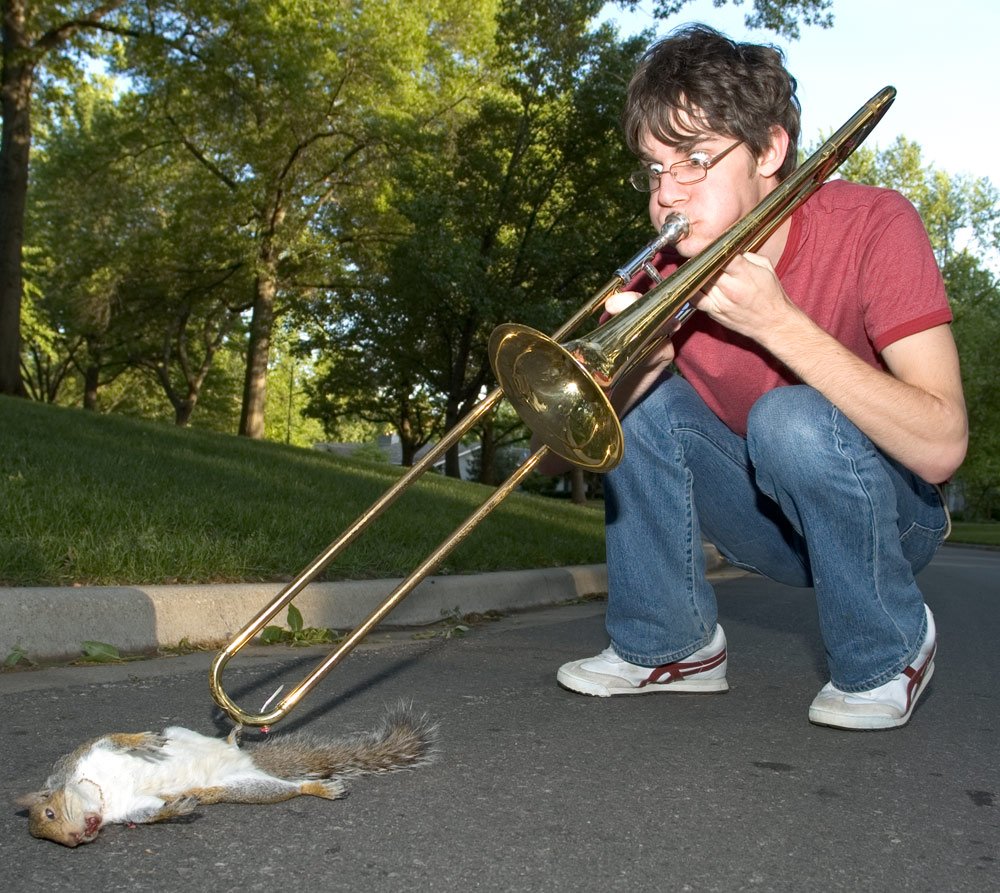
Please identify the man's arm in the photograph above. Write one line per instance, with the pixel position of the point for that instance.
(914, 413)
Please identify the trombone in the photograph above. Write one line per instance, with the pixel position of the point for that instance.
(559, 390)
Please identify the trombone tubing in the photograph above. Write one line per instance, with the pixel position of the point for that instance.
(394, 598)
(668, 233)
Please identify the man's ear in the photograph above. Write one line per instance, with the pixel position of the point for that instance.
(773, 156)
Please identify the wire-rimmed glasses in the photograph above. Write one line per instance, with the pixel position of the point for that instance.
(686, 173)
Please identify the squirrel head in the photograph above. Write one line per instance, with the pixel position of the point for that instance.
(67, 815)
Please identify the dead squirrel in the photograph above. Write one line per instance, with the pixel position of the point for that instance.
(145, 777)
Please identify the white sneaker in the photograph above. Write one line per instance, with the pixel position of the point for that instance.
(886, 707)
(607, 674)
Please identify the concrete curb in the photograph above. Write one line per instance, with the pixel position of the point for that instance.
(51, 622)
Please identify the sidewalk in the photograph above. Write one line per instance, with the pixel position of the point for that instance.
(51, 622)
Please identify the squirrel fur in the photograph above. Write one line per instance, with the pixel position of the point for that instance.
(146, 777)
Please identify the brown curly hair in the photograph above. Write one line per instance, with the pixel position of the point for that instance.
(739, 90)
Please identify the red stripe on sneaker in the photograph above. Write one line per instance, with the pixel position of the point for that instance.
(680, 669)
(916, 676)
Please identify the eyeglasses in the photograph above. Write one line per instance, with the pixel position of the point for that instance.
(692, 170)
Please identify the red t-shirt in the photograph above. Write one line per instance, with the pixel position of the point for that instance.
(858, 262)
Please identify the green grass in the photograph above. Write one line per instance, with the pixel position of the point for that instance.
(978, 534)
(107, 500)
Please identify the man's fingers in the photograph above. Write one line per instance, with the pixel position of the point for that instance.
(620, 300)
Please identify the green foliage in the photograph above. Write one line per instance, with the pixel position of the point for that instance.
(975, 295)
(297, 634)
(781, 16)
(293, 108)
(512, 208)
(291, 373)
(18, 657)
(234, 165)
(132, 262)
(100, 653)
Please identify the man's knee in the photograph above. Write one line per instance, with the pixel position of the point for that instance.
(791, 433)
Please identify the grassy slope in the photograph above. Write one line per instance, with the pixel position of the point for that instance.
(98, 499)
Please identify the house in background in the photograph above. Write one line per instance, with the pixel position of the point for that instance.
(389, 447)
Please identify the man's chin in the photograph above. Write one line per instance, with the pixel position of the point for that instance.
(690, 245)
(689, 248)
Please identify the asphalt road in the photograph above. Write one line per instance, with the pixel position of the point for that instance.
(539, 789)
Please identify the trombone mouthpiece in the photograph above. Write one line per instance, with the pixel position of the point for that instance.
(674, 228)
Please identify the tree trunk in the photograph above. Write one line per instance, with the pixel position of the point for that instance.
(488, 454)
(452, 464)
(578, 485)
(15, 149)
(184, 409)
(258, 351)
(91, 379)
(409, 435)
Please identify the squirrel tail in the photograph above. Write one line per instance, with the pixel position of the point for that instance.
(402, 741)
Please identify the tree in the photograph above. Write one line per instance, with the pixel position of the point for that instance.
(975, 296)
(135, 269)
(512, 209)
(74, 226)
(292, 371)
(33, 33)
(361, 378)
(780, 16)
(288, 105)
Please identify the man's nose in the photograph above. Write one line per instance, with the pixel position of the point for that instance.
(668, 191)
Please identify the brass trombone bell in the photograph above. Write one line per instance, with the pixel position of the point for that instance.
(560, 390)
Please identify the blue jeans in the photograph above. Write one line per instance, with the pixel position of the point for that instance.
(806, 499)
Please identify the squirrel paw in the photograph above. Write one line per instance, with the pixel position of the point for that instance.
(179, 806)
(152, 748)
(163, 811)
(327, 788)
(145, 745)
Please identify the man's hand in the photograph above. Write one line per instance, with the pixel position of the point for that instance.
(627, 391)
(747, 298)
(620, 301)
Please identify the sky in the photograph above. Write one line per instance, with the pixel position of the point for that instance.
(942, 56)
